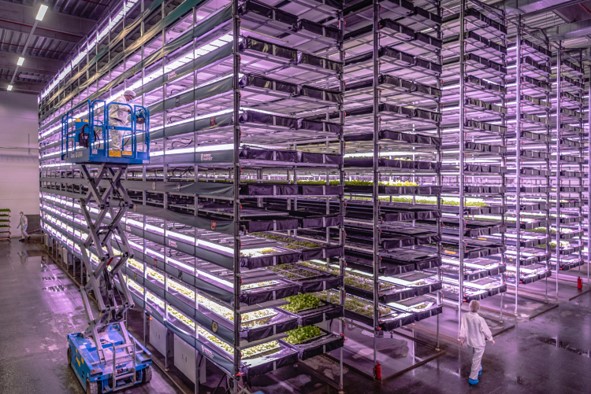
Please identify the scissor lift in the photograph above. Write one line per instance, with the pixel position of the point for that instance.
(106, 357)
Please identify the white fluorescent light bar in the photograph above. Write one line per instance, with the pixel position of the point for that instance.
(89, 45)
(9, 88)
(20, 61)
(41, 13)
(170, 67)
(212, 148)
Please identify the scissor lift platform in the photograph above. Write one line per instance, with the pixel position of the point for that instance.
(90, 137)
(123, 366)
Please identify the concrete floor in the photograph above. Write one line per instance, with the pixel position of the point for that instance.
(548, 354)
(39, 305)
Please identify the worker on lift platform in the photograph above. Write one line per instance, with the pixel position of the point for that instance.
(114, 132)
(119, 115)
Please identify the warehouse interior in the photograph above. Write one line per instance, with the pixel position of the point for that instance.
(306, 196)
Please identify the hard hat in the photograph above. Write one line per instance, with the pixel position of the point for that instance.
(129, 92)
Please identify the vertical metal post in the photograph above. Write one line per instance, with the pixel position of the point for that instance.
(503, 165)
(581, 156)
(558, 152)
(341, 24)
(518, 163)
(164, 85)
(198, 358)
(589, 179)
(375, 172)
(236, 184)
(461, 180)
(548, 161)
(439, 182)
(142, 56)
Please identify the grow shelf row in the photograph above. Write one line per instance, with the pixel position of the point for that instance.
(392, 162)
(568, 161)
(529, 137)
(475, 131)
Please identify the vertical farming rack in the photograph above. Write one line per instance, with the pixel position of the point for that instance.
(587, 182)
(529, 156)
(393, 163)
(567, 162)
(315, 161)
(5, 224)
(474, 151)
(229, 223)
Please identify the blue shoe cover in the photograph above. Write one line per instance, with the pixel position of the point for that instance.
(472, 382)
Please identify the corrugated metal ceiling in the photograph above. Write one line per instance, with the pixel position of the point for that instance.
(49, 45)
(58, 46)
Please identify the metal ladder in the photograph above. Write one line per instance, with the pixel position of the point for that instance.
(107, 195)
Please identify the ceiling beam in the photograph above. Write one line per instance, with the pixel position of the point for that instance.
(40, 65)
(569, 30)
(20, 18)
(532, 7)
(17, 48)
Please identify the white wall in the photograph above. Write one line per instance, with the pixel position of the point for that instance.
(19, 155)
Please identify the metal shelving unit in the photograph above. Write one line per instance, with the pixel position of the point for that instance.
(317, 162)
(5, 224)
(587, 182)
(474, 152)
(529, 156)
(246, 104)
(568, 162)
(393, 165)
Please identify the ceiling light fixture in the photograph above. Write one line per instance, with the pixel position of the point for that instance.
(20, 61)
(41, 12)
(9, 88)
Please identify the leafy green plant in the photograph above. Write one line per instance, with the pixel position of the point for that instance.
(303, 334)
(301, 302)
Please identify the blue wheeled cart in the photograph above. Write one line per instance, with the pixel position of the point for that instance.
(106, 357)
(127, 363)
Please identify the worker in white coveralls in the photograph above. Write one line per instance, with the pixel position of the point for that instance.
(23, 224)
(474, 332)
(119, 115)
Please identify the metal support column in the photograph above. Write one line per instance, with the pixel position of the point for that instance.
(375, 173)
(589, 179)
(518, 163)
(461, 153)
(558, 159)
(236, 191)
(439, 158)
(341, 108)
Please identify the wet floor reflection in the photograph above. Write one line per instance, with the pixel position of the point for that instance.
(566, 346)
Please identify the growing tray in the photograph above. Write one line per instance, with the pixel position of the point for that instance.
(316, 346)
(410, 306)
(401, 165)
(324, 313)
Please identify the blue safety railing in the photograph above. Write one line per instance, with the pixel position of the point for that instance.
(100, 136)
